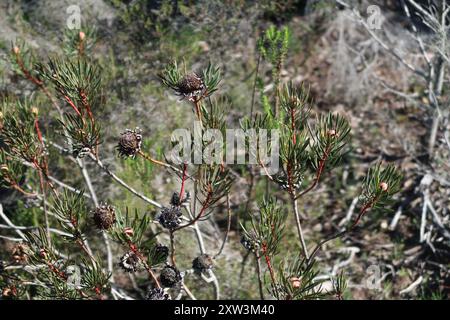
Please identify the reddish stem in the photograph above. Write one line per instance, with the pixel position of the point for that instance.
(74, 107)
(294, 138)
(202, 211)
(27, 74)
(38, 131)
(84, 101)
(318, 173)
(198, 110)
(268, 262)
(363, 210)
(183, 181)
(136, 251)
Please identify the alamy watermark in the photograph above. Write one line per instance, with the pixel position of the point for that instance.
(255, 147)
(73, 21)
(375, 19)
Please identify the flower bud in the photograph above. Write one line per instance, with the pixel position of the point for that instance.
(43, 253)
(384, 186)
(82, 35)
(296, 282)
(16, 50)
(128, 231)
(332, 133)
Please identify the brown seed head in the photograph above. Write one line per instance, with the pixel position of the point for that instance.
(129, 262)
(202, 263)
(129, 143)
(190, 85)
(104, 216)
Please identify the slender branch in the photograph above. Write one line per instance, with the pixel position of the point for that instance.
(228, 228)
(141, 257)
(202, 211)
(172, 248)
(299, 227)
(363, 210)
(94, 198)
(161, 163)
(74, 107)
(269, 263)
(254, 85)
(123, 184)
(258, 271)
(319, 172)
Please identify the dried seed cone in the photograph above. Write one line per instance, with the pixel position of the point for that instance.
(248, 244)
(162, 250)
(191, 84)
(104, 216)
(202, 263)
(169, 276)
(157, 294)
(129, 262)
(169, 218)
(129, 143)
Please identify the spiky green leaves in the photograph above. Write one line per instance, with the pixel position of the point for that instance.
(331, 135)
(266, 229)
(296, 103)
(301, 147)
(339, 286)
(78, 83)
(191, 85)
(11, 172)
(77, 79)
(293, 157)
(23, 61)
(83, 135)
(94, 279)
(214, 184)
(128, 229)
(78, 42)
(297, 281)
(70, 208)
(211, 78)
(274, 43)
(65, 278)
(19, 131)
(380, 184)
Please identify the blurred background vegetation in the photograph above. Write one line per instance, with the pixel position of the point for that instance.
(136, 38)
